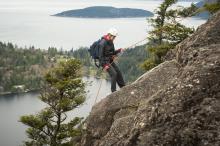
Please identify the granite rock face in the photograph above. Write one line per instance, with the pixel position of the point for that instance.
(175, 104)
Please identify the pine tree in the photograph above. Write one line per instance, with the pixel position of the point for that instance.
(63, 92)
(167, 31)
(212, 7)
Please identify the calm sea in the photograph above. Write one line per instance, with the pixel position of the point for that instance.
(29, 22)
(12, 107)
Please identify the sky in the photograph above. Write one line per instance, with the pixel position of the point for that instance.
(25, 22)
(31, 4)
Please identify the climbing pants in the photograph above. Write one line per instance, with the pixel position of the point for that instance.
(116, 76)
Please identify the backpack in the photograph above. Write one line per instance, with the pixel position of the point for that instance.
(94, 52)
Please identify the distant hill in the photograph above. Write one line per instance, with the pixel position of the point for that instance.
(105, 12)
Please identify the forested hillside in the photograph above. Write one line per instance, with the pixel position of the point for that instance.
(21, 69)
(129, 62)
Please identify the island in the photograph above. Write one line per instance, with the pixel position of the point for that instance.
(105, 12)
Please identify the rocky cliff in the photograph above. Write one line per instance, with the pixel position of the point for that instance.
(175, 104)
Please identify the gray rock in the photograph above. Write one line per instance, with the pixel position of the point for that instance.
(175, 104)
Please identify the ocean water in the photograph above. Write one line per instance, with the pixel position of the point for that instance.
(29, 22)
(12, 107)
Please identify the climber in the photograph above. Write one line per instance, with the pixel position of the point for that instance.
(107, 53)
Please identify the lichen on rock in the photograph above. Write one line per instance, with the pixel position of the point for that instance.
(176, 103)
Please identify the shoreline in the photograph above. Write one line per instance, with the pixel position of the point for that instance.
(21, 92)
(38, 90)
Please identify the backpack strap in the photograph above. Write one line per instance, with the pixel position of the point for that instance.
(97, 63)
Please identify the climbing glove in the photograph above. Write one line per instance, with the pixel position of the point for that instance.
(106, 67)
(120, 50)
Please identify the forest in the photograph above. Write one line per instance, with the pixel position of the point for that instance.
(23, 69)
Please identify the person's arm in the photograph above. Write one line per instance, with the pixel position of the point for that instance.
(117, 51)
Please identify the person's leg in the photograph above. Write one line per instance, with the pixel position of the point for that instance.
(119, 78)
(113, 75)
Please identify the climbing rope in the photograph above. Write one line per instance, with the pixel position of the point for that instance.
(133, 45)
(98, 92)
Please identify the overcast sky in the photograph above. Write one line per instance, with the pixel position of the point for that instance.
(65, 4)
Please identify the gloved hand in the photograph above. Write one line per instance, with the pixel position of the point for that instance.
(114, 57)
(106, 67)
(120, 50)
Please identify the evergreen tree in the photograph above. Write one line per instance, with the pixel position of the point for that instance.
(213, 7)
(167, 31)
(63, 92)
(52, 52)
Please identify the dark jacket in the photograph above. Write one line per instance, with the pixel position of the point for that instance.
(106, 51)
